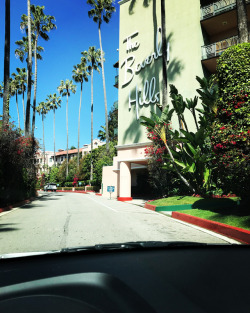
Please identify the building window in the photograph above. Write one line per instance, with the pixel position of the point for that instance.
(61, 158)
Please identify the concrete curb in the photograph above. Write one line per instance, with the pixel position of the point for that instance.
(76, 191)
(150, 206)
(236, 233)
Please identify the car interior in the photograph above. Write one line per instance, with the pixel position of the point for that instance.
(171, 278)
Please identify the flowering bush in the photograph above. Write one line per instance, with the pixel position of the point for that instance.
(231, 131)
(17, 169)
(75, 182)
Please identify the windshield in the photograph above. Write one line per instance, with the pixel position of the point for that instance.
(122, 122)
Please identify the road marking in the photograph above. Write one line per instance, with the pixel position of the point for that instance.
(102, 204)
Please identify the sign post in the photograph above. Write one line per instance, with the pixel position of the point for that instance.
(110, 189)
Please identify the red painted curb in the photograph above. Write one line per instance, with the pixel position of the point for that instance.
(76, 191)
(124, 198)
(12, 206)
(98, 194)
(150, 206)
(236, 233)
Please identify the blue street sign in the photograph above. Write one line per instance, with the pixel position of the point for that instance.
(111, 189)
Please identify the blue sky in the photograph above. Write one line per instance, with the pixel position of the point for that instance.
(75, 33)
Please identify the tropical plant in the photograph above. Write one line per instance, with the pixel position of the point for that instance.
(231, 129)
(22, 49)
(22, 80)
(15, 87)
(54, 103)
(6, 64)
(188, 153)
(65, 88)
(102, 11)
(43, 108)
(41, 24)
(29, 70)
(113, 126)
(93, 58)
(80, 74)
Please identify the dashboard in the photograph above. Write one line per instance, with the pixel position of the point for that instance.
(212, 278)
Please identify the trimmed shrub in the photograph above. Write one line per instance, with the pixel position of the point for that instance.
(79, 188)
(231, 130)
(68, 184)
(93, 188)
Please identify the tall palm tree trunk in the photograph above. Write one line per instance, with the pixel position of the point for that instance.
(104, 90)
(92, 106)
(6, 95)
(27, 121)
(242, 20)
(23, 109)
(18, 116)
(67, 158)
(164, 56)
(35, 87)
(54, 136)
(43, 144)
(78, 152)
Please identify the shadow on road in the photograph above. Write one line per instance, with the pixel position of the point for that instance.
(31, 206)
(7, 227)
(45, 197)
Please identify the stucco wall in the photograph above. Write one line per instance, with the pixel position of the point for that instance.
(185, 40)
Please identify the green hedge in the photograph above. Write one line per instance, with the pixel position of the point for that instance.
(79, 188)
(94, 188)
(231, 135)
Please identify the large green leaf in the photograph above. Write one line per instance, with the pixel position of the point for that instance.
(192, 149)
(147, 121)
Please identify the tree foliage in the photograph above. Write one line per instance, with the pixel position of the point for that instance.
(17, 169)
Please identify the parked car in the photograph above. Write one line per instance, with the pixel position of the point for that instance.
(50, 186)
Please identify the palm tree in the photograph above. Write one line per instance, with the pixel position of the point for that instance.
(29, 69)
(15, 88)
(6, 64)
(102, 11)
(22, 80)
(43, 108)
(54, 103)
(23, 48)
(80, 74)
(242, 20)
(65, 88)
(41, 24)
(93, 58)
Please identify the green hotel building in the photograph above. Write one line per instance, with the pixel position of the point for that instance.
(197, 31)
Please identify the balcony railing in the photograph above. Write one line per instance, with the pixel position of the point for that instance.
(217, 8)
(216, 49)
